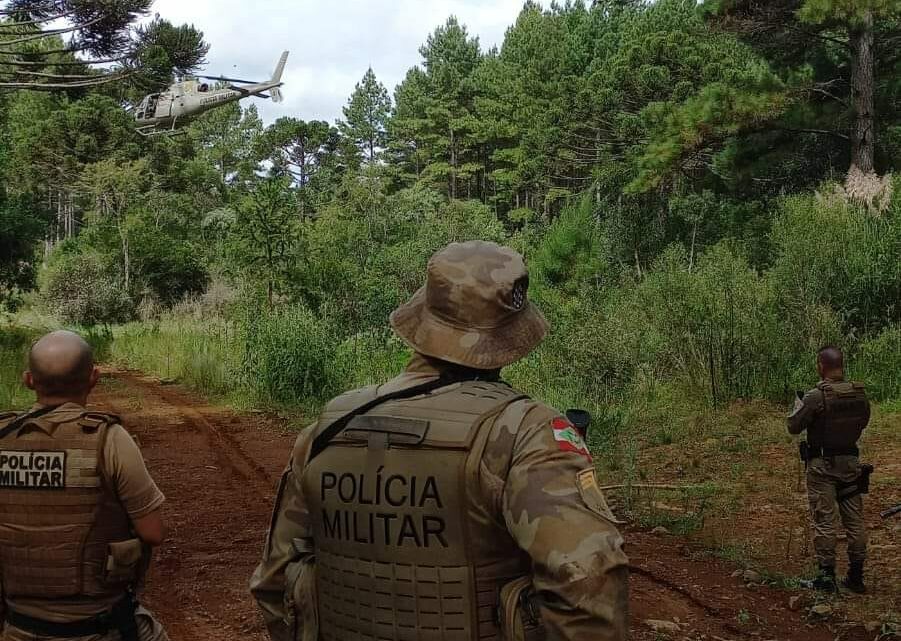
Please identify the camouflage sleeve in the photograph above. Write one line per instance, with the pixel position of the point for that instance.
(290, 520)
(804, 411)
(556, 512)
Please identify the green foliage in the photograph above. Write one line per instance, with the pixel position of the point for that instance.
(819, 11)
(20, 231)
(289, 357)
(570, 253)
(265, 235)
(69, 44)
(168, 267)
(84, 289)
(878, 363)
(832, 254)
(311, 153)
(202, 355)
(366, 115)
(361, 259)
(14, 343)
(167, 49)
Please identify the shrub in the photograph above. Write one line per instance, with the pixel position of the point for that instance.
(81, 288)
(13, 344)
(289, 356)
(831, 253)
(877, 363)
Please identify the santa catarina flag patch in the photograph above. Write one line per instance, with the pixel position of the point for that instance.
(568, 437)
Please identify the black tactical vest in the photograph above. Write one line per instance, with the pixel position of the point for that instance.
(843, 416)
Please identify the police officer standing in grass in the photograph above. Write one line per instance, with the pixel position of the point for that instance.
(445, 505)
(79, 509)
(835, 413)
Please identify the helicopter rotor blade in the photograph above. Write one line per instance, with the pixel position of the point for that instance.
(224, 79)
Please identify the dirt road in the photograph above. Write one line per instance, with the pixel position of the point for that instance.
(219, 472)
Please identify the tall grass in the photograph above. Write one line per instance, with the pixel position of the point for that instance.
(201, 354)
(14, 343)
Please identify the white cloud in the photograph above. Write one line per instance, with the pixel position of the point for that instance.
(331, 43)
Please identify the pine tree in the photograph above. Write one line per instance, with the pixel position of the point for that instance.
(366, 115)
(845, 50)
(52, 45)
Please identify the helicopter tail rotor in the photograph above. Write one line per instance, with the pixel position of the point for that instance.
(276, 94)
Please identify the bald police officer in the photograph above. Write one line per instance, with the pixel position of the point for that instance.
(79, 509)
(834, 413)
(445, 504)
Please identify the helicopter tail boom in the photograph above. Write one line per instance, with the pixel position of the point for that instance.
(279, 69)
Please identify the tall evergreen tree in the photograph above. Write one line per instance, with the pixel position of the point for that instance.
(842, 56)
(304, 151)
(438, 109)
(366, 115)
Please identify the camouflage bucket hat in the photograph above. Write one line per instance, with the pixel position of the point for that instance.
(474, 309)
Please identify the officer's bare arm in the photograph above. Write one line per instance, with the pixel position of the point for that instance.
(151, 528)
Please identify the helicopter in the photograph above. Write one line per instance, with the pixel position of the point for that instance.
(160, 113)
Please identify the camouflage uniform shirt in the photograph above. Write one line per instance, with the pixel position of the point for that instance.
(545, 492)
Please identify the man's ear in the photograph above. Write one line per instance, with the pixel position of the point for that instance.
(94, 379)
(28, 379)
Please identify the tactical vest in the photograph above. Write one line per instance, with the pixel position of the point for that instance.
(59, 515)
(843, 416)
(405, 546)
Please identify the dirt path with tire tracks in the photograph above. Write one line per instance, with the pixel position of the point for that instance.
(219, 471)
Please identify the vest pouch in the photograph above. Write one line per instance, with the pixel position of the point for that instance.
(301, 603)
(519, 615)
(124, 562)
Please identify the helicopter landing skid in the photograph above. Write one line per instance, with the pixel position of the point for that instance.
(151, 130)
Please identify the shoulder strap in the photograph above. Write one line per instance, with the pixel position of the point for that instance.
(90, 422)
(19, 422)
(325, 437)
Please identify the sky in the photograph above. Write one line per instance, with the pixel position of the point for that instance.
(332, 43)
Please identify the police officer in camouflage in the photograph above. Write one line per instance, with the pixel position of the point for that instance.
(445, 505)
(79, 510)
(834, 413)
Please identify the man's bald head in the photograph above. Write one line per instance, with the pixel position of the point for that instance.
(830, 360)
(61, 364)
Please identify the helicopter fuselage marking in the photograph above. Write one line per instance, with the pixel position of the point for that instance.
(211, 100)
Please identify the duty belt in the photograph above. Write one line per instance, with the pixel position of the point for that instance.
(827, 452)
(121, 618)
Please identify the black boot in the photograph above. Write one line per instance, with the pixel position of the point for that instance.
(854, 580)
(825, 580)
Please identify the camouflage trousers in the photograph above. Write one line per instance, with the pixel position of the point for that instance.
(823, 477)
(149, 629)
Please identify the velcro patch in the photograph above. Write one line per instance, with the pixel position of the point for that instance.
(32, 470)
(592, 495)
(568, 437)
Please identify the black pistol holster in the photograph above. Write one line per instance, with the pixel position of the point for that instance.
(122, 617)
(860, 485)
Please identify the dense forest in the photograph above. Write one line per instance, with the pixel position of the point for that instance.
(704, 194)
